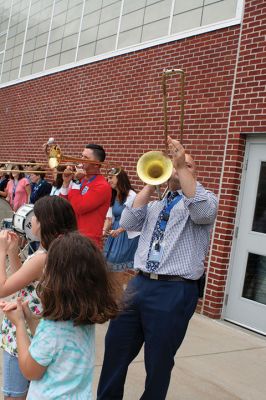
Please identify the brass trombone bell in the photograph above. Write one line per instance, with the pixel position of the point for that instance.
(154, 168)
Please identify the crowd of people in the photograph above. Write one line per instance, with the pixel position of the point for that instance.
(97, 234)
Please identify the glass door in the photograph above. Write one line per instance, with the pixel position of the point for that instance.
(246, 302)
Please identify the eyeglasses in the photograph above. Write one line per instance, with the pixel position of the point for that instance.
(113, 171)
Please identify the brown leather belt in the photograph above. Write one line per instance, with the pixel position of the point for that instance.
(161, 277)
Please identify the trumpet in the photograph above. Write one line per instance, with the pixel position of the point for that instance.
(155, 167)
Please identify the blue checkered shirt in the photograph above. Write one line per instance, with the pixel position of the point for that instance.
(186, 237)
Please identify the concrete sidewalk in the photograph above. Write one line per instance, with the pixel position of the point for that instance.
(217, 361)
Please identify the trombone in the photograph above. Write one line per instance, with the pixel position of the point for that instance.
(166, 74)
(56, 158)
(155, 167)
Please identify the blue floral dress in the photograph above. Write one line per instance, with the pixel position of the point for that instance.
(120, 251)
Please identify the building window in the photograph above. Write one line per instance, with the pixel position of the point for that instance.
(37, 36)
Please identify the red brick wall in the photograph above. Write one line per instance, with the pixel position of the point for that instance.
(119, 103)
(248, 116)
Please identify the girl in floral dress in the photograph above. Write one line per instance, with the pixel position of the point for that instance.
(52, 216)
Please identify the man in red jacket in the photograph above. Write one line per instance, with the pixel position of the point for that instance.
(92, 196)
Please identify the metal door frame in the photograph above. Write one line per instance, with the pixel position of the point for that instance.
(251, 139)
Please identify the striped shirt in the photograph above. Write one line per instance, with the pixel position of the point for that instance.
(186, 237)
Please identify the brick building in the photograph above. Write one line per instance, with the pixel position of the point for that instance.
(90, 71)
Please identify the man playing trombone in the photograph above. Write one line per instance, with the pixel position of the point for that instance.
(173, 244)
(92, 196)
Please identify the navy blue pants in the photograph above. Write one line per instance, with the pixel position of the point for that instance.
(157, 314)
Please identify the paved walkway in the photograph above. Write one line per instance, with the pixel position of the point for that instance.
(217, 361)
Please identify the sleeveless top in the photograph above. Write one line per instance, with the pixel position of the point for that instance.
(8, 340)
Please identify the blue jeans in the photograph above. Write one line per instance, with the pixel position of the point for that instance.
(157, 313)
(14, 383)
